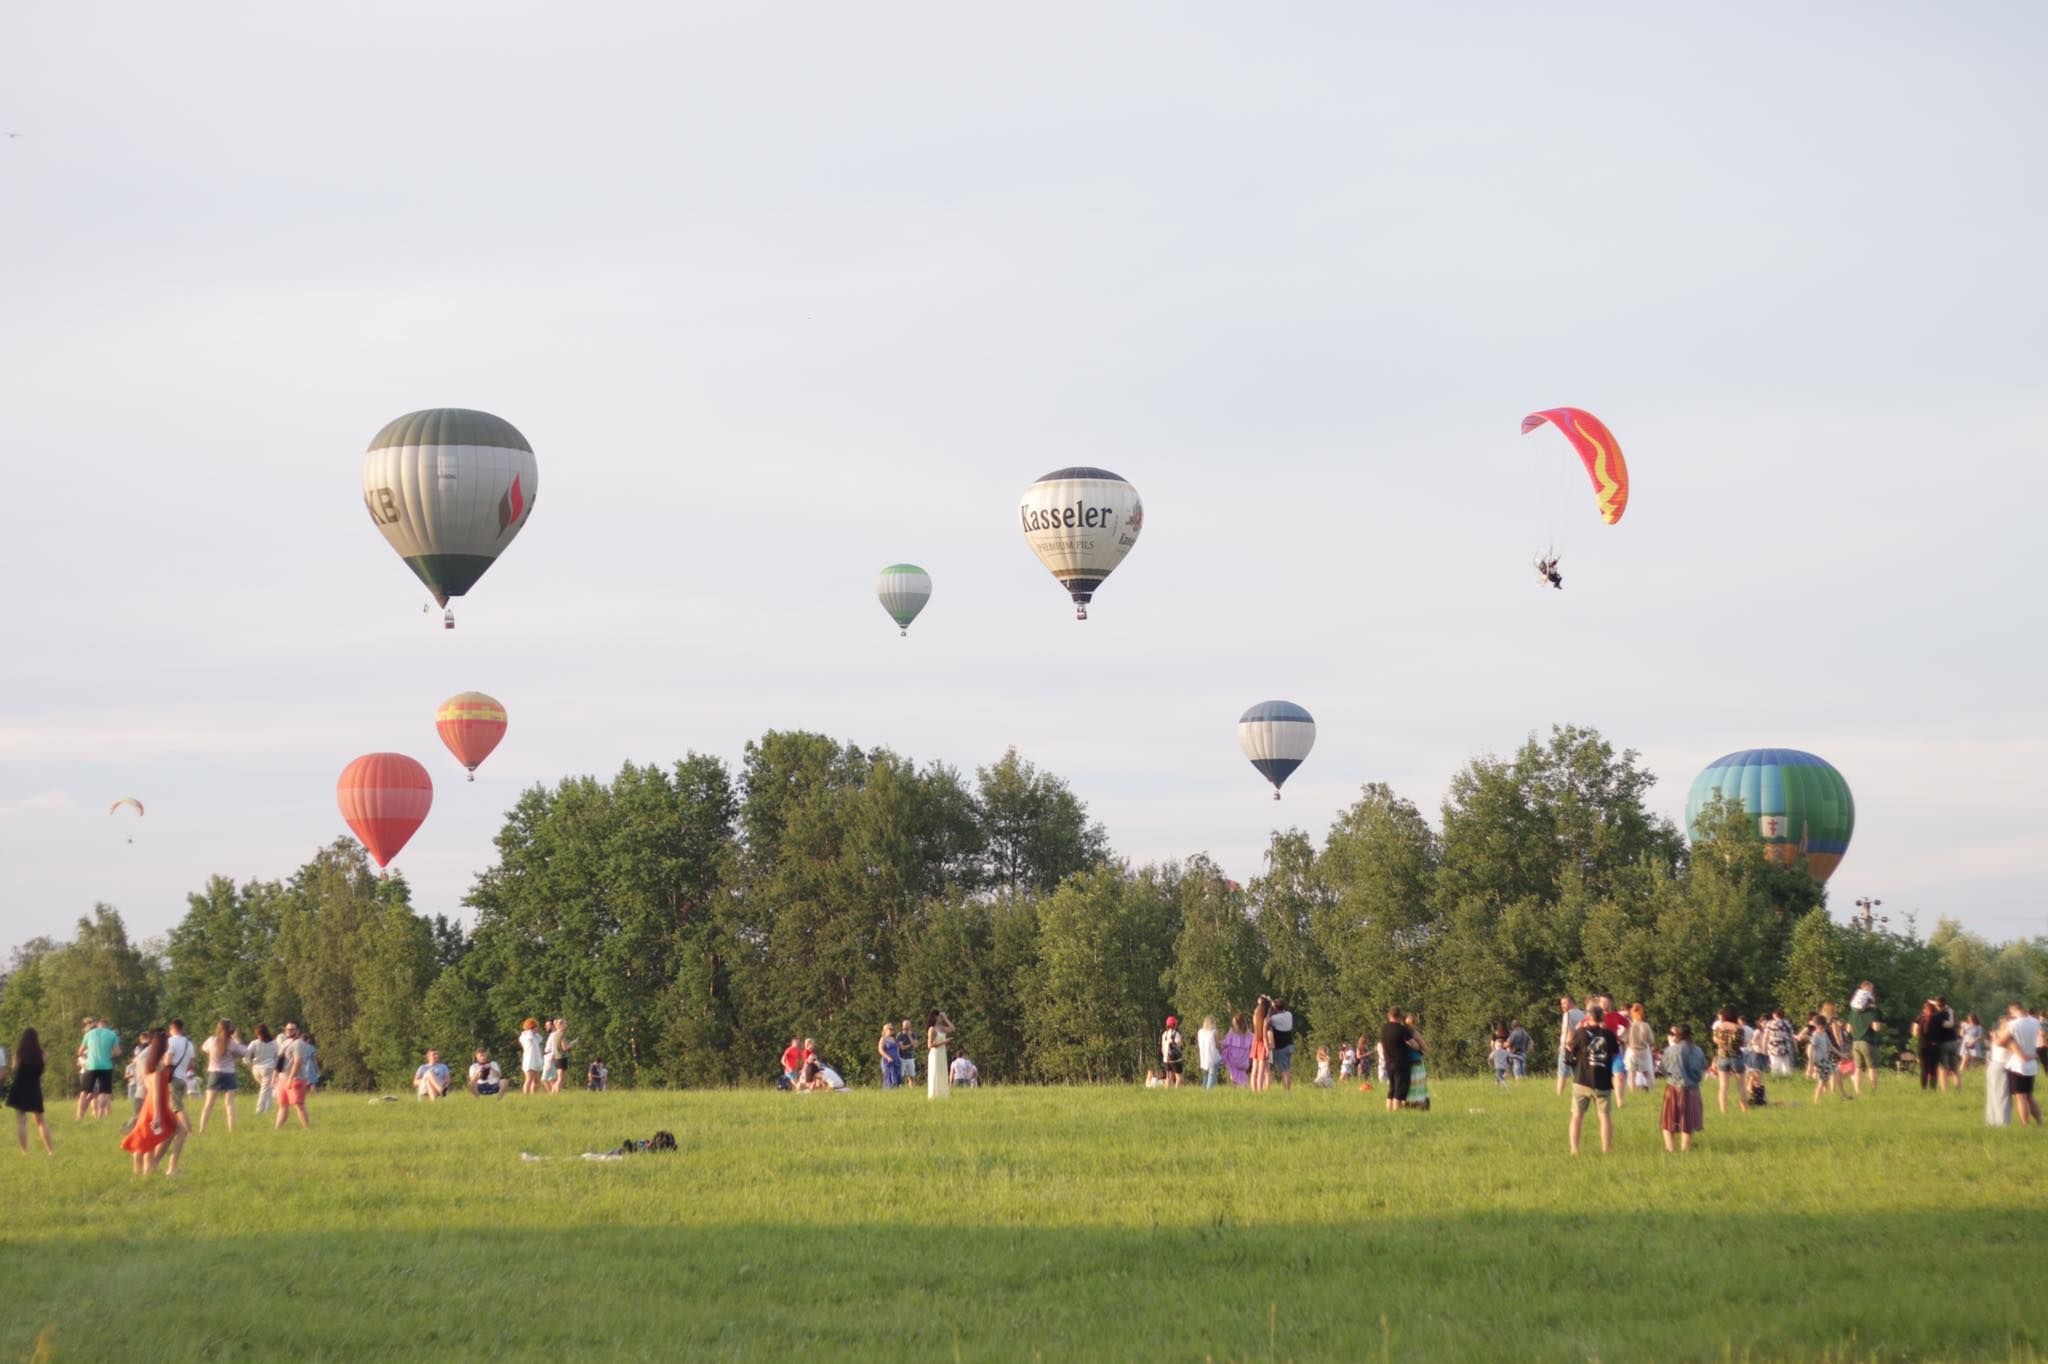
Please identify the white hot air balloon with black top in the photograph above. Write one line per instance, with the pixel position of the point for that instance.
(450, 488)
(1081, 523)
(1276, 736)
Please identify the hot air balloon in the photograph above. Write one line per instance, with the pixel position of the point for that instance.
(471, 724)
(1801, 805)
(1081, 523)
(384, 797)
(1276, 736)
(903, 590)
(450, 488)
(1598, 450)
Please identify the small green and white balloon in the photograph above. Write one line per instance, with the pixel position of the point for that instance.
(903, 590)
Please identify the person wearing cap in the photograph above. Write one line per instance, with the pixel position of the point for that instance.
(1170, 1050)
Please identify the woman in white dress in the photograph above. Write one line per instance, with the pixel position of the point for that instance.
(938, 1079)
(1997, 1093)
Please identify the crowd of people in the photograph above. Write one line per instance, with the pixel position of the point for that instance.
(896, 1050)
(165, 1071)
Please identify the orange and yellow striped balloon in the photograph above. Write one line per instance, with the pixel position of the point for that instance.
(471, 724)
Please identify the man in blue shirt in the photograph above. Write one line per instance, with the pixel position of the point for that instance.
(100, 1045)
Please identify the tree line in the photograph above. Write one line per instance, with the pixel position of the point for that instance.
(689, 920)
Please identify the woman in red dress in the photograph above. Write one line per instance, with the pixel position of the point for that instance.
(160, 1124)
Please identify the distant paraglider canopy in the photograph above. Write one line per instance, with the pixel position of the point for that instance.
(1276, 736)
(903, 590)
(449, 489)
(1081, 522)
(128, 802)
(1598, 450)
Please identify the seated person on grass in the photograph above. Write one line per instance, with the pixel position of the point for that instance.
(430, 1081)
(485, 1079)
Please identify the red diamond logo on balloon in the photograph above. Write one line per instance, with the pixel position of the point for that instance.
(510, 506)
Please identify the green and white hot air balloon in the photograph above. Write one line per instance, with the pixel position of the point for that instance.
(903, 590)
(450, 488)
(1081, 523)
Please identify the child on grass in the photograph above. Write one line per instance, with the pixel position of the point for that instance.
(1322, 1067)
(1347, 1062)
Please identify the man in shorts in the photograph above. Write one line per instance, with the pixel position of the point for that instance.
(430, 1081)
(100, 1045)
(1281, 1021)
(1569, 1016)
(2025, 1063)
(1171, 1053)
(1592, 1051)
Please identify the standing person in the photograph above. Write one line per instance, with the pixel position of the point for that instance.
(1171, 1054)
(298, 1071)
(1569, 1016)
(1418, 1070)
(1864, 1027)
(1685, 1065)
(964, 1074)
(223, 1049)
(1395, 1040)
(1347, 1062)
(532, 1056)
(1207, 1054)
(1262, 1044)
(792, 1061)
(2023, 1033)
(1997, 1079)
(906, 1043)
(1951, 1044)
(1323, 1080)
(1778, 1042)
(1592, 1051)
(1927, 1043)
(938, 1030)
(1639, 1044)
(554, 1063)
(25, 1090)
(892, 1057)
(261, 1058)
(134, 1076)
(1519, 1043)
(1726, 1038)
(1973, 1042)
(160, 1124)
(1281, 1021)
(179, 1055)
(1820, 1054)
(1500, 1055)
(1616, 1022)
(430, 1081)
(1236, 1051)
(100, 1045)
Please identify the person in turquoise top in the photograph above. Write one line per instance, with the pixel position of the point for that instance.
(100, 1045)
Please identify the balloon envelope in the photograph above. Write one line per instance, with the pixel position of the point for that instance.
(471, 724)
(903, 589)
(384, 797)
(449, 488)
(1598, 450)
(1081, 522)
(1276, 736)
(1801, 804)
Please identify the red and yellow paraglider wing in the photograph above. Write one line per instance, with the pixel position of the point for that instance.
(1598, 450)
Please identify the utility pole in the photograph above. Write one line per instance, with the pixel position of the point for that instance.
(1869, 908)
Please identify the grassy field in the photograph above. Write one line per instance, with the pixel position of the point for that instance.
(1028, 1224)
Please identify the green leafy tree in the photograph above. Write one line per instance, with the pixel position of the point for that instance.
(1813, 966)
(1219, 960)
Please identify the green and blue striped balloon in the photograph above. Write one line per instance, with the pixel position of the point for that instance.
(1801, 804)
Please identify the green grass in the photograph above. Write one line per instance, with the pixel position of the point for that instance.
(1031, 1223)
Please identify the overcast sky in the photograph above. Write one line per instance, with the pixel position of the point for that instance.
(783, 294)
